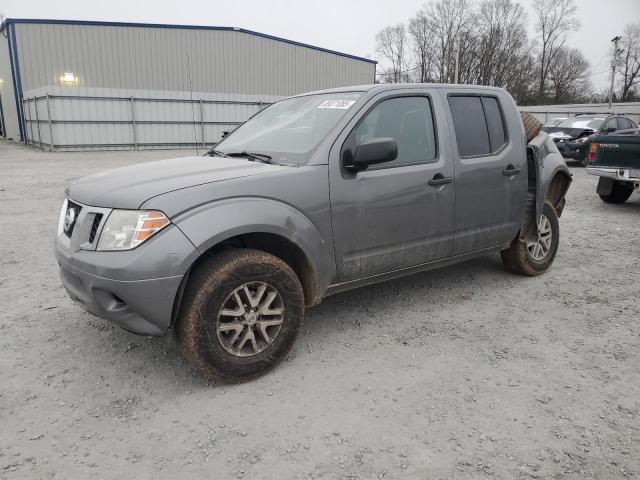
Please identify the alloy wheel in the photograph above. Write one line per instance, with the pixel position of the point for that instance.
(539, 249)
(250, 319)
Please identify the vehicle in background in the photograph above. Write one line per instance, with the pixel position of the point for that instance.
(572, 136)
(316, 194)
(630, 131)
(554, 121)
(616, 160)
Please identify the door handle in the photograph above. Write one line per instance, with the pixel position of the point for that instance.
(510, 171)
(439, 179)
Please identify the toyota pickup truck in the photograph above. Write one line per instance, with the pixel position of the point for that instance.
(316, 194)
(616, 160)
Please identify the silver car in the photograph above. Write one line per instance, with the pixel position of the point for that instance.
(314, 195)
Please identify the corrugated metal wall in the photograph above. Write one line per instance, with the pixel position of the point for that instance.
(94, 118)
(157, 58)
(221, 61)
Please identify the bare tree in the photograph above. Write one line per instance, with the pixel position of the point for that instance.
(629, 62)
(449, 20)
(496, 50)
(489, 38)
(423, 38)
(391, 44)
(555, 19)
(520, 84)
(569, 75)
(502, 40)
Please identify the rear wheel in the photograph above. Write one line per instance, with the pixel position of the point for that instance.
(620, 193)
(240, 315)
(534, 258)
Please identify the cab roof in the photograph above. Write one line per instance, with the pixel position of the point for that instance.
(383, 87)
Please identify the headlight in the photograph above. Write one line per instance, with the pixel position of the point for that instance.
(583, 140)
(126, 229)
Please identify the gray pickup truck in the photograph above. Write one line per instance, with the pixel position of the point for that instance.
(316, 194)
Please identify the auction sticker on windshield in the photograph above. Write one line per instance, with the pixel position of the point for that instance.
(339, 104)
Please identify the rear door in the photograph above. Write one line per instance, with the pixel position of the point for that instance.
(397, 214)
(490, 170)
(624, 124)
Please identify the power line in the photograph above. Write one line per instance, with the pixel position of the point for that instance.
(597, 73)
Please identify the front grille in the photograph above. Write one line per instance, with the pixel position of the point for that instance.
(71, 217)
(94, 227)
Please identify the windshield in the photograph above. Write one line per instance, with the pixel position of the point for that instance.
(582, 122)
(554, 122)
(290, 129)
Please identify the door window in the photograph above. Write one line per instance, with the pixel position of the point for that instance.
(611, 123)
(495, 125)
(470, 126)
(408, 120)
(623, 123)
(478, 124)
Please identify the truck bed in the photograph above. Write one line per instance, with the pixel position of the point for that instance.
(615, 151)
(616, 160)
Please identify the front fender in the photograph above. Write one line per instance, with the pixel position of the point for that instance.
(550, 164)
(548, 179)
(210, 224)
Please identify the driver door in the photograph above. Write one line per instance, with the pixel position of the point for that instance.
(397, 214)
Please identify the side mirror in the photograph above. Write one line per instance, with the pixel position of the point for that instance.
(610, 129)
(373, 151)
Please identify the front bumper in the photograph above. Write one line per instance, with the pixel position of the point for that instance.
(134, 289)
(577, 151)
(143, 306)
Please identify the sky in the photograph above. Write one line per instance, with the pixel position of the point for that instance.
(345, 25)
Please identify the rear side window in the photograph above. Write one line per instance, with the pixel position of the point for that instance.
(478, 124)
(497, 134)
(470, 126)
(624, 124)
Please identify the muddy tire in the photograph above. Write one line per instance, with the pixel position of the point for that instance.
(240, 315)
(535, 258)
(620, 193)
(531, 124)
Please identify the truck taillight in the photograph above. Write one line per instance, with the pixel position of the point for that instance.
(593, 153)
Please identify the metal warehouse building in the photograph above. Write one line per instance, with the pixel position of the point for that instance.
(69, 85)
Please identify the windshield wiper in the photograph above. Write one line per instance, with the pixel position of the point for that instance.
(252, 156)
(213, 152)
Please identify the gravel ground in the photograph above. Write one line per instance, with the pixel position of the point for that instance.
(466, 372)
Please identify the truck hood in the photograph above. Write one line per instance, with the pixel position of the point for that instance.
(566, 133)
(130, 187)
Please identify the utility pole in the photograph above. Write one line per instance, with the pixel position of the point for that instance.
(614, 60)
(457, 54)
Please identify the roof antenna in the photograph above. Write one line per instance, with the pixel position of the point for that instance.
(193, 112)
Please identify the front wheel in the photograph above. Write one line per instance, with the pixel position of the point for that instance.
(534, 258)
(620, 193)
(240, 315)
